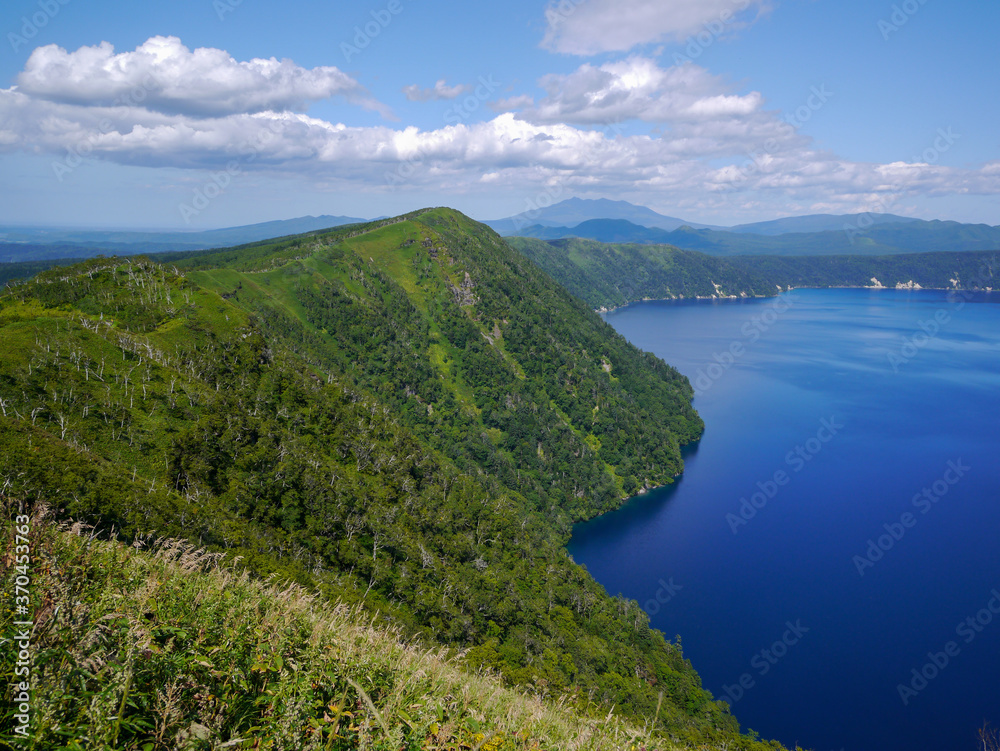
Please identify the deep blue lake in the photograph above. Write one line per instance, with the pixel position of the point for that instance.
(830, 557)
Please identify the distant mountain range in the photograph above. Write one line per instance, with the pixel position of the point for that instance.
(817, 223)
(593, 219)
(574, 211)
(811, 235)
(33, 244)
(849, 238)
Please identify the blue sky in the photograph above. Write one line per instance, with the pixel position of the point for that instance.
(211, 113)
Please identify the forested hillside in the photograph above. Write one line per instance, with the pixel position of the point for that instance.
(854, 235)
(406, 415)
(612, 274)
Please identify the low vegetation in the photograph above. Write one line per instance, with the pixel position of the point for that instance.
(166, 646)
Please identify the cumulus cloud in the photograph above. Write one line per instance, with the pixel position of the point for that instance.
(588, 27)
(707, 147)
(163, 75)
(638, 88)
(513, 103)
(511, 150)
(698, 114)
(439, 90)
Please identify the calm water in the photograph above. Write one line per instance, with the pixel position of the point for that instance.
(833, 415)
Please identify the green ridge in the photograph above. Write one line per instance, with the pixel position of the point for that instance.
(607, 275)
(406, 416)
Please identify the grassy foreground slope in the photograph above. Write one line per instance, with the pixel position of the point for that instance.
(166, 648)
(612, 274)
(406, 416)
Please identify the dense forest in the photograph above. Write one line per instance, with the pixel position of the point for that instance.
(608, 274)
(854, 235)
(405, 416)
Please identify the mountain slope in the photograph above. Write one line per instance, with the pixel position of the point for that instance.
(574, 211)
(192, 654)
(914, 236)
(611, 274)
(818, 223)
(407, 414)
(602, 230)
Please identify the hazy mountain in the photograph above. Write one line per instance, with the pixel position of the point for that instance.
(574, 211)
(19, 244)
(602, 230)
(818, 223)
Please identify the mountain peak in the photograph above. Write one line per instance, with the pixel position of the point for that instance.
(574, 211)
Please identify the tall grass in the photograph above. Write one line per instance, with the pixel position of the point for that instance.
(164, 647)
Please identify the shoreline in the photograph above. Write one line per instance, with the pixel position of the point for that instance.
(899, 288)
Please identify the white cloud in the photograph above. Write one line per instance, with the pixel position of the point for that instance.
(698, 114)
(163, 75)
(513, 103)
(588, 27)
(710, 148)
(440, 90)
(637, 88)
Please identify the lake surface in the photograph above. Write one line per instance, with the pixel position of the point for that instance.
(837, 526)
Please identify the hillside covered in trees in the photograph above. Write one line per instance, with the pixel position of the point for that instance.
(612, 274)
(859, 234)
(405, 416)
